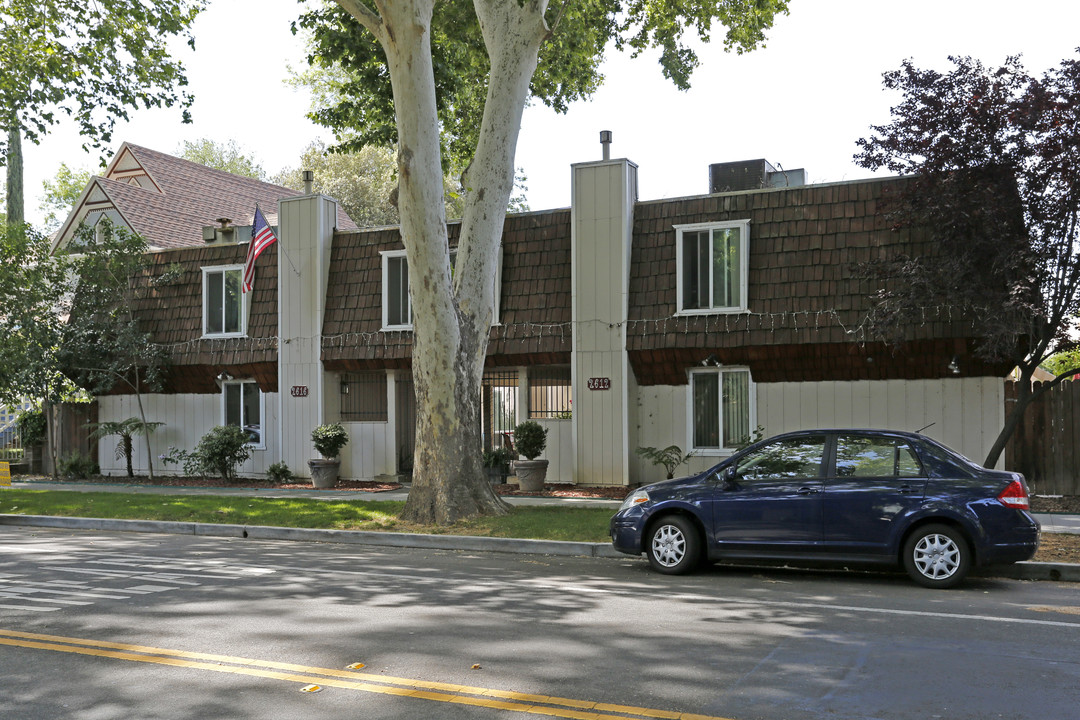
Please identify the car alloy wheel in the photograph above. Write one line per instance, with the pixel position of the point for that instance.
(673, 545)
(936, 556)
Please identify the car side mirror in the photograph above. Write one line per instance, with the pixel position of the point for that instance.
(727, 475)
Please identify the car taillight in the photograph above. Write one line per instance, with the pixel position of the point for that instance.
(1014, 496)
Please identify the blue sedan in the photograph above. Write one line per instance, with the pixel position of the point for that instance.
(874, 497)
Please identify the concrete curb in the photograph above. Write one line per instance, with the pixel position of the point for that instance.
(350, 537)
(1063, 572)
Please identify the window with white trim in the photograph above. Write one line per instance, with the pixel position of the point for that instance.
(242, 406)
(223, 303)
(721, 408)
(396, 303)
(713, 262)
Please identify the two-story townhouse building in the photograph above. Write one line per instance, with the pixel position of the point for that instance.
(619, 323)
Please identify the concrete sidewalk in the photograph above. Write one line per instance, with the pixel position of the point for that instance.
(1054, 523)
(402, 494)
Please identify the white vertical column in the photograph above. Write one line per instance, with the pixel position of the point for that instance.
(602, 214)
(305, 234)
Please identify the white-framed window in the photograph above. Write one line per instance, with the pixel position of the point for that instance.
(223, 304)
(721, 406)
(396, 302)
(242, 405)
(713, 265)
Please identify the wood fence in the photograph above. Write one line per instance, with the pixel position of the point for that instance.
(72, 434)
(1046, 446)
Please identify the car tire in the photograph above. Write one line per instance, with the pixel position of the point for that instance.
(937, 556)
(673, 545)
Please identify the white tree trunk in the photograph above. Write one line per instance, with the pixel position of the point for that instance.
(452, 318)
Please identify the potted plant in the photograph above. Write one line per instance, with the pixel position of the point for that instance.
(497, 462)
(328, 439)
(530, 440)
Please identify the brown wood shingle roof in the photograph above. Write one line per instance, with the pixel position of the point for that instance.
(534, 302)
(805, 299)
(171, 305)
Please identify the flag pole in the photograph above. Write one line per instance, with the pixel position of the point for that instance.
(280, 245)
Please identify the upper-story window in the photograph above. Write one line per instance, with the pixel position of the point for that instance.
(397, 306)
(223, 303)
(396, 303)
(713, 262)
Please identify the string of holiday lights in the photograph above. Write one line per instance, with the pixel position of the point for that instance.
(226, 350)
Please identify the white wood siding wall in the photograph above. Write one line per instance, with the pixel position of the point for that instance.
(560, 450)
(370, 452)
(966, 413)
(187, 418)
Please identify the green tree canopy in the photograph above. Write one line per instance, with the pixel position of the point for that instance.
(352, 90)
(91, 62)
(221, 156)
(362, 180)
(61, 193)
(104, 347)
(34, 298)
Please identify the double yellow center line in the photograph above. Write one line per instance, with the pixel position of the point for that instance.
(344, 679)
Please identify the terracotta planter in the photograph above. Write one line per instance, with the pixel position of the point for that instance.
(324, 473)
(531, 474)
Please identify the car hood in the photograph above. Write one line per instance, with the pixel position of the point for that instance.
(666, 488)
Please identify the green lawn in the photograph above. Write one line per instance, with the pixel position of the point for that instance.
(542, 523)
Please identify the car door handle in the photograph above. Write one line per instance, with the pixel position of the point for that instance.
(906, 490)
(809, 490)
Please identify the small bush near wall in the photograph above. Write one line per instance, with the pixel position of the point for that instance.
(219, 452)
(279, 472)
(77, 466)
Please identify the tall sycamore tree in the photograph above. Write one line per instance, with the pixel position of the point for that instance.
(91, 61)
(488, 57)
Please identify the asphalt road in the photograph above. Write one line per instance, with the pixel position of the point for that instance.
(98, 625)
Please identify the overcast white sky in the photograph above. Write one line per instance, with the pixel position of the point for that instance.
(802, 101)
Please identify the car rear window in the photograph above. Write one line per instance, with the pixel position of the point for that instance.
(940, 461)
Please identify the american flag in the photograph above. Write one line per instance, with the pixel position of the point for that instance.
(262, 237)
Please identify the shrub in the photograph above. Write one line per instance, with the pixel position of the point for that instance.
(530, 439)
(76, 466)
(498, 458)
(670, 457)
(219, 452)
(32, 426)
(279, 472)
(329, 439)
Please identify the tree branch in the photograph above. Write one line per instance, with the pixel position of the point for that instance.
(367, 17)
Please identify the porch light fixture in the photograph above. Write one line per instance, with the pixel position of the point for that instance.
(711, 360)
(224, 376)
(954, 365)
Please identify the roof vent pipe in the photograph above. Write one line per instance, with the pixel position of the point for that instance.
(309, 178)
(605, 140)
